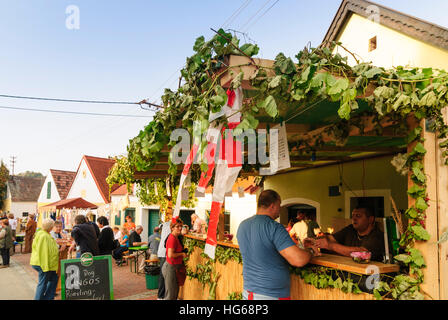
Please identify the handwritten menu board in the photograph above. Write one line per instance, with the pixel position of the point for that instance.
(87, 278)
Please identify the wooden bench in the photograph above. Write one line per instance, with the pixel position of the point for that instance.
(152, 261)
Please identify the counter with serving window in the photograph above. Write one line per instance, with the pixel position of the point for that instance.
(327, 277)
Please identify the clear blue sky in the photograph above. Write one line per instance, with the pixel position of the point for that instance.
(127, 51)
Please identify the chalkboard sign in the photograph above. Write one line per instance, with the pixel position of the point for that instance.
(87, 278)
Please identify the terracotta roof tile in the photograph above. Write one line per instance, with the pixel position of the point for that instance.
(63, 181)
(99, 167)
(121, 190)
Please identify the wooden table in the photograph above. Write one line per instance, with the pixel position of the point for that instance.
(140, 250)
(347, 264)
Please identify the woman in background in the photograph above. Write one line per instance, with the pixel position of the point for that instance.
(30, 229)
(124, 245)
(45, 260)
(174, 260)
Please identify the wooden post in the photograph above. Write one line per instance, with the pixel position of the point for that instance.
(428, 248)
(442, 208)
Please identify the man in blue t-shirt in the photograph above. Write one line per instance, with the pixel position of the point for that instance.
(267, 250)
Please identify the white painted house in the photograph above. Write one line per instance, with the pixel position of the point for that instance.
(90, 180)
(56, 186)
(22, 194)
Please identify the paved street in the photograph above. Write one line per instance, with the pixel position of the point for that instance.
(18, 282)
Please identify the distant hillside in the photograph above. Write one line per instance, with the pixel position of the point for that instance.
(31, 174)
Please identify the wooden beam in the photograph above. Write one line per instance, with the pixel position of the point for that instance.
(359, 149)
(428, 249)
(442, 209)
(244, 64)
(291, 128)
(319, 158)
(368, 124)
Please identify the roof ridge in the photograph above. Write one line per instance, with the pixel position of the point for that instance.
(405, 14)
(99, 158)
(63, 170)
(99, 184)
(414, 27)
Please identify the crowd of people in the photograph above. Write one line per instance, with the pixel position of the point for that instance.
(266, 246)
(47, 243)
(8, 227)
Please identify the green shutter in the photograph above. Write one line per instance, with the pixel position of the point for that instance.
(154, 221)
(118, 219)
(49, 190)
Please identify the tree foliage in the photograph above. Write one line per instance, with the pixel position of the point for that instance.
(4, 174)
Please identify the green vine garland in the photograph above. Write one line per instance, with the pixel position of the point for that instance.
(317, 74)
(206, 273)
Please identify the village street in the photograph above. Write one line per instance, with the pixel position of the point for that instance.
(19, 281)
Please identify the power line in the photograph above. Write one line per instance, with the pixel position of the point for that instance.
(253, 16)
(261, 16)
(235, 14)
(80, 101)
(76, 112)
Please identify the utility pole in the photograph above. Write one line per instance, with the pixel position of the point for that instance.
(13, 161)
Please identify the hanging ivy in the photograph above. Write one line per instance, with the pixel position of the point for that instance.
(315, 75)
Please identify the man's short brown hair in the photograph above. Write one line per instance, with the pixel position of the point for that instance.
(80, 219)
(268, 197)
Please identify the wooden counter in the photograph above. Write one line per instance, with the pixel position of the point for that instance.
(328, 260)
(231, 277)
(347, 264)
(220, 243)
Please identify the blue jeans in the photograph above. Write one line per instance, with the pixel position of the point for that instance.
(46, 285)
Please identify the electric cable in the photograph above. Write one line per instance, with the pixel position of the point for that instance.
(76, 112)
(235, 14)
(253, 16)
(250, 26)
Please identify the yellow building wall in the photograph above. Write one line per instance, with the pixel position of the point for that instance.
(393, 48)
(312, 184)
(7, 205)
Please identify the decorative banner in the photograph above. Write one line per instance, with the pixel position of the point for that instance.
(186, 188)
(167, 184)
(212, 142)
(228, 167)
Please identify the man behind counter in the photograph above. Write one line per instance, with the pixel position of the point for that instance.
(267, 251)
(362, 235)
